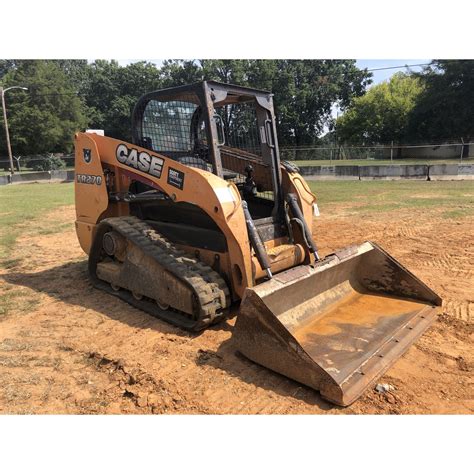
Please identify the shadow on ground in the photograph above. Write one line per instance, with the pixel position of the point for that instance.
(70, 284)
(228, 359)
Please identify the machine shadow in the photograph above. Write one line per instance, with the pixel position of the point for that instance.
(228, 359)
(70, 284)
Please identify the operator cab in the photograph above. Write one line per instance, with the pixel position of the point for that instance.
(223, 129)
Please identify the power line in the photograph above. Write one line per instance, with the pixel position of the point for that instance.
(397, 67)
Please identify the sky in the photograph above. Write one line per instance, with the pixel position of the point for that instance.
(379, 76)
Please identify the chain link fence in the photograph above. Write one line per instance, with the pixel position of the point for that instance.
(455, 151)
(446, 151)
(47, 162)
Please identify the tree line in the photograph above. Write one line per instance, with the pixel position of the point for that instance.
(68, 95)
(65, 96)
(435, 104)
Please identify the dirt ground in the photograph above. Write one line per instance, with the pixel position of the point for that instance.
(68, 348)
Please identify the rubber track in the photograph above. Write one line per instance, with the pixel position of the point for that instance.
(208, 286)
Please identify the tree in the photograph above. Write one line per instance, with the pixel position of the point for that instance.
(445, 109)
(69, 95)
(305, 90)
(45, 118)
(178, 72)
(5, 66)
(76, 71)
(110, 93)
(383, 113)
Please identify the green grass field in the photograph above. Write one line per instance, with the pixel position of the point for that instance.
(456, 198)
(21, 208)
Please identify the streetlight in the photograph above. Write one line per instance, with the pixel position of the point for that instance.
(2, 93)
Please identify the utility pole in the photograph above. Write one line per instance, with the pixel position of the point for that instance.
(7, 134)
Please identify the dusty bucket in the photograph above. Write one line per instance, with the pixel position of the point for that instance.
(336, 326)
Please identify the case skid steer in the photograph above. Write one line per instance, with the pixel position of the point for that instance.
(198, 213)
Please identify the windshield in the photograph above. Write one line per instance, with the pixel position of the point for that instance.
(166, 126)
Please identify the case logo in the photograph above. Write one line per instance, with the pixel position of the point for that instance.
(141, 161)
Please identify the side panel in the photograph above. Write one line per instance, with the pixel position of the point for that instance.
(218, 198)
(89, 187)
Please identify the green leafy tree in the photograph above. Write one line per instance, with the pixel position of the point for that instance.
(178, 72)
(445, 109)
(383, 113)
(230, 71)
(111, 91)
(76, 70)
(69, 95)
(305, 90)
(45, 118)
(5, 66)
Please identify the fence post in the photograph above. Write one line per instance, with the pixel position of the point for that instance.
(391, 153)
(18, 163)
(462, 147)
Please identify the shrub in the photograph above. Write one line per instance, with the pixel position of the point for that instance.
(45, 163)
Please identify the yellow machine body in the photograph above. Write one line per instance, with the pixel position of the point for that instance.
(220, 199)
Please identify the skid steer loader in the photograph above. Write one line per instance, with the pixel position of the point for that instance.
(198, 213)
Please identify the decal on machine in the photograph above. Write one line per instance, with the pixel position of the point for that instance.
(175, 178)
(224, 195)
(140, 160)
(89, 179)
(87, 153)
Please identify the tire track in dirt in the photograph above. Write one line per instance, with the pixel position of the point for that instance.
(461, 310)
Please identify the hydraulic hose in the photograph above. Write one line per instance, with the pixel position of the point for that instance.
(256, 241)
(292, 201)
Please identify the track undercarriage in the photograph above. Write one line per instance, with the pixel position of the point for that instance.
(133, 261)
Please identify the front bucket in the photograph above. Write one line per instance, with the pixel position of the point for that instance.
(338, 326)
